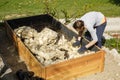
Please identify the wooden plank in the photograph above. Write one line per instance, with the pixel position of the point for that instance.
(11, 34)
(102, 61)
(77, 71)
(91, 69)
(62, 67)
(32, 63)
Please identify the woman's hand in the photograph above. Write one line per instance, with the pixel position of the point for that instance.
(77, 43)
(82, 50)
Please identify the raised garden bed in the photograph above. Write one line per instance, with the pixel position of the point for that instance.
(66, 70)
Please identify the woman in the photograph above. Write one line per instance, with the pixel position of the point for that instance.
(94, 23)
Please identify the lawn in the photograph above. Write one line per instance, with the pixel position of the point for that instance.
(58, 8)
(113, 43)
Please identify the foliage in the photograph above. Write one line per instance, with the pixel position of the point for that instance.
(57, 8)
(48, 9)
(113, 43)
(117, 2)
(66, 16)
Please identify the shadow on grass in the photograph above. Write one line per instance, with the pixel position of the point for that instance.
(116, 2)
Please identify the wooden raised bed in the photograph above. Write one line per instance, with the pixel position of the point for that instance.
(66, 70)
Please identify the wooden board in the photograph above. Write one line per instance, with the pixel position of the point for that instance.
(76, 67)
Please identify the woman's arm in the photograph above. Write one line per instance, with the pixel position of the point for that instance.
(91, 43)
(94, 37)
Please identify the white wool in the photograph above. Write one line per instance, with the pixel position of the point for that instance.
(43, 45)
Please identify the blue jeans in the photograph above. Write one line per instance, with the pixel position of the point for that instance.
(99, 31)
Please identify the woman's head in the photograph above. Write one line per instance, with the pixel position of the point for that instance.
(79, 26)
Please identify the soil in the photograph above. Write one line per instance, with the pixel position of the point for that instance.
(9, 55)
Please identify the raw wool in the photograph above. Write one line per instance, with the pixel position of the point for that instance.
(46, 37)
(47, 45)
(25, 32)
(19, 30)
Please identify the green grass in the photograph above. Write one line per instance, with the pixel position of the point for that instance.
(113, 43)
(74, 8)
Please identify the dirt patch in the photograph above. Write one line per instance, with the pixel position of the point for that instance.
(9, 53)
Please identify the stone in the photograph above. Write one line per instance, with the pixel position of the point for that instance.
(118, 64)
(114, 52)
(117, 74)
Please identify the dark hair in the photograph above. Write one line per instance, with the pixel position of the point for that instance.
(79, 24)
